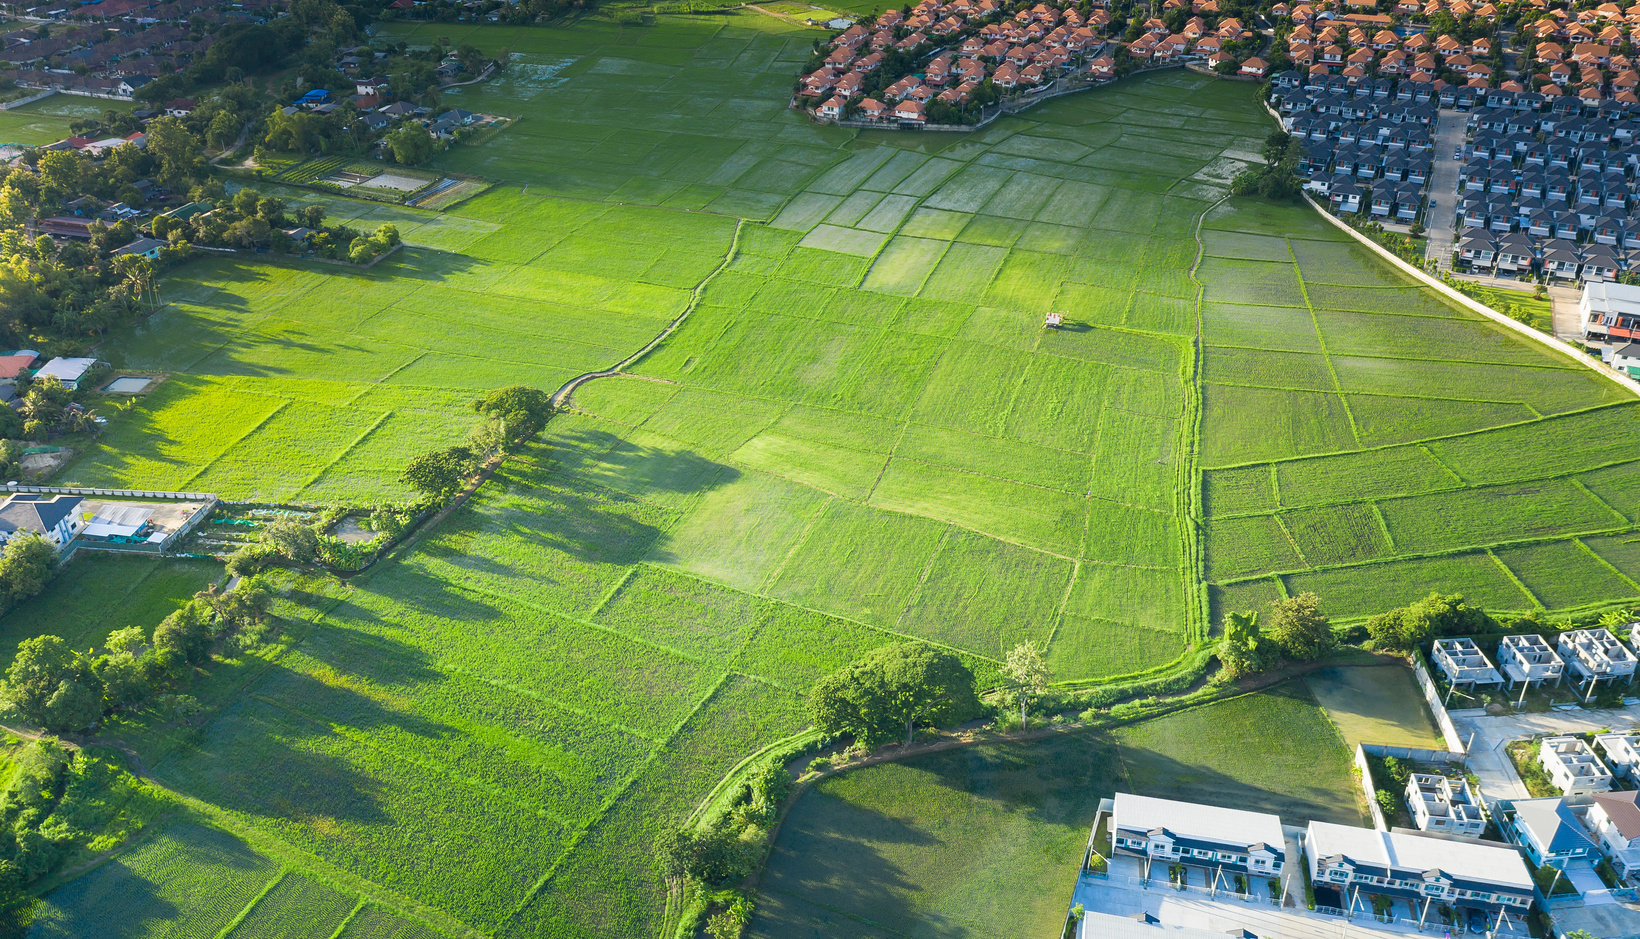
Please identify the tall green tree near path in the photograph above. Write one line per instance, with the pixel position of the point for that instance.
(411, 145)
(1027, 675)
(893, 687)
(1240, 651)
(1299, 629)
(52, 685)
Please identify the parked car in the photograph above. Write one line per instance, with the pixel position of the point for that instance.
(1477, 922)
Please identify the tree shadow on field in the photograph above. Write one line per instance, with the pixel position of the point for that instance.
(280, 752)
(412, 586)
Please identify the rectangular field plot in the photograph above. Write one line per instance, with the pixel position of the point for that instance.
(1415, 337)
(1356, 593)
(738, 533)
(1254, 544)
(985, 595)
(1279, 328)
(1123, 534)
(1383, 419)
(797, 647)
(1547, 390)
(1365, 475)
(1376, 704)
(1064, 470)
(1545, 448)
(295, 446)
(1135, 596)
(1134, 463)
(1257, 368)
(678, 612)
(1269, 282)
(1052, 404)
(904, 264)
(1047, 519)
(1562, 574)
(1240, 425)
(1239, 490)
(296, 906)
(1338, 534)
(1244, 247)
(1243, 596)
(1344, 264)
(375, 922)
(1417, 301)
(1445, 521)
(183, 882)
(1084, 648)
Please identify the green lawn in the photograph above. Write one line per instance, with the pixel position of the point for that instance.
(985, 841)
(47, 120)
(1376, 704)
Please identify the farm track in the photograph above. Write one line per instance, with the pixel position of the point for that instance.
(562, 395)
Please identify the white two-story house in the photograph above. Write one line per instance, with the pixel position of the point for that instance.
(1463, 663)
(1444, 804)
(1595, 655)
(56, 518)
(1168, 832)
(1615, 820)
(1572, 765)
(1418, 868)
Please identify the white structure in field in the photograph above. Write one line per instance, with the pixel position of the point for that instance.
(1233, 841)
(1463, 663)
(1595, 655)
(1424, 869)
(1529, 659)
(1443, 804)
(1572, 765)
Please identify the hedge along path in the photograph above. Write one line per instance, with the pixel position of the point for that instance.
(1558, 345)
(562, 395)
(1189, 494)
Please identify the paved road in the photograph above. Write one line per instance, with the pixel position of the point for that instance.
(1443, 187)
(1498, 779)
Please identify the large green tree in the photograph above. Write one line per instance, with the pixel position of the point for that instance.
(891, 689)
(1432, 617)
(52, 685)
(1299, 629)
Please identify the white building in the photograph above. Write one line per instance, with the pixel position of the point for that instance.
(1168, 832)
(1622, 754)
(67, 371)
(1609, 313)
(1615, 820)
(1424, 869)
(1572, 765)
(1595, 655)
(1463, 663)
(1443, 804)
(1529, 659)
(57, 518)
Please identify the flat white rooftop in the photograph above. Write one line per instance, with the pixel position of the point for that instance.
(1469, 860)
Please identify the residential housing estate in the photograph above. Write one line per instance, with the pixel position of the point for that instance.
(1419, 868)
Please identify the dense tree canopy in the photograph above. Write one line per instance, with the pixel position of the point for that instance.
(890, 690)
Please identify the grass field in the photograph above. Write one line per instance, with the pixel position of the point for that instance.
(859, 433)
(1376, 704)
(47, 120)
(985, 841)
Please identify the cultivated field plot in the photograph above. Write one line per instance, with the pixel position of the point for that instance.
(1373, 433)
(971, 842)
(859, 433)
(1376, 704)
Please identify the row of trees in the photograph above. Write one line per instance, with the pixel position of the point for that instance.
(512, 415)
(51, 685)
(1295, 630)
(251, 220)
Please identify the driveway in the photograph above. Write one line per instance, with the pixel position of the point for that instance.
(1489, 762)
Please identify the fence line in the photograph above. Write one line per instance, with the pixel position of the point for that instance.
(116, 493)
(1431, 693)
(1370, 790)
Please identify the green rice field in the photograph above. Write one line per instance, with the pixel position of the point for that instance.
(860, 432)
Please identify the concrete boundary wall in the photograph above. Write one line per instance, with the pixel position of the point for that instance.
(1432, 694)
